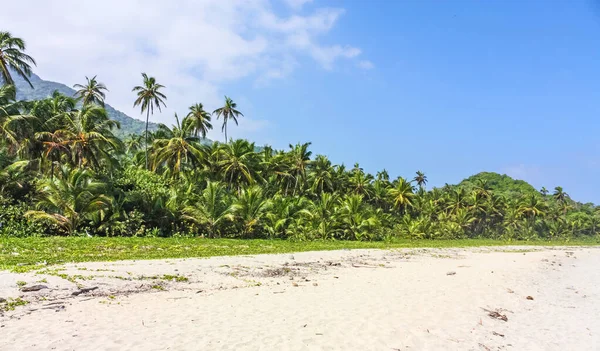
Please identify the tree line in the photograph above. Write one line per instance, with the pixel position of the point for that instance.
(64, 172)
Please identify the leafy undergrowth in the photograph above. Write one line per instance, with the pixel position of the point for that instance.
(24, 254)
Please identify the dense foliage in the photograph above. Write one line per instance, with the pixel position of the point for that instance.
(64, 171)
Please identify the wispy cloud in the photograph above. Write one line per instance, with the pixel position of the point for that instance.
(192, 48)
(366, 64)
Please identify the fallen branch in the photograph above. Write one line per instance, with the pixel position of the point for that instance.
(83, 291)
(33, 288)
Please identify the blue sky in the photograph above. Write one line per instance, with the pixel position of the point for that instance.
(457, 88)
(451, 88)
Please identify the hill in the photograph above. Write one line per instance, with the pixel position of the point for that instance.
(44, 88)
(499, 183)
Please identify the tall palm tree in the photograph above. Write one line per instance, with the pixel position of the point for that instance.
(228, 111)
(199, 120)
(92, 92)
(149, 97)
(299, 158)
(420, 179)
(13, 57)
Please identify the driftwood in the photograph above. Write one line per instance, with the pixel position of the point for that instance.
(496, 315)
(83, 291)
(33, 288)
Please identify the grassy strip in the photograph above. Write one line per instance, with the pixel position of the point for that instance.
(22, 254)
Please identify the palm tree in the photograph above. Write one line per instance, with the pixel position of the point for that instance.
(88, 135)
(320, 175)
(299, 157)
(420, 179)
(69, 200)
(199, 120)
(133, 143)
(238, 163)
(177, 150)
(211, 209)
(15, 127)
(92, 92)
(149, 97)
(544, 191)
(560, 195)
(402, 194)
(250, 207)
(228, 111)
(13, 57)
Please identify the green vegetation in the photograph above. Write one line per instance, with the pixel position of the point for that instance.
(11, 304)
(65, 172)
(25, 254)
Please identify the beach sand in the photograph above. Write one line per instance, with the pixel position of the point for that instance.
(409, 299)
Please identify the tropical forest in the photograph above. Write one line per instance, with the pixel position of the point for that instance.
(68, 167)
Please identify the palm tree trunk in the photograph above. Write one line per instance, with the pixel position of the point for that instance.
(225, 125)
(147, 117)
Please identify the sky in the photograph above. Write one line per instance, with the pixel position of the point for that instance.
(451, 88)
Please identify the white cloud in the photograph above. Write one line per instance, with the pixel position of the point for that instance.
(193, 47)
(297, 4)
(365, 64)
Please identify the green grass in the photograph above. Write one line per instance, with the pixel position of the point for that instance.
(23, 254)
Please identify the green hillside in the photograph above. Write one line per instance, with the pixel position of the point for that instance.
(43, 89)
(499, 183)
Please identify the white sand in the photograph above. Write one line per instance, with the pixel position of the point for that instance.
(337, 300)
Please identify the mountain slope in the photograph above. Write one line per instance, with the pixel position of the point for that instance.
(43, 89)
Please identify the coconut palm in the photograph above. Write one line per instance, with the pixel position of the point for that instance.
(88, 135)
(402, 194)
(320, 175)
(211, 209)
(238, 162)
(69, 200)
(420, 179)
(299, 158)
(12, 57)
(199, 120)
(560, 195)
(92, 92)
(149, 97)
(250, 208)
(177, 150)
(16, 128)
(228, 111)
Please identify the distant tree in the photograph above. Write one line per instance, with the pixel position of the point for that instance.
(199, 120)
(149, 97)
(420, 179)
(92, 92)
(13, 57)
(559, 194)
(228, 111)
(544, 191)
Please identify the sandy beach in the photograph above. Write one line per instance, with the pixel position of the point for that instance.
(503, 298)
